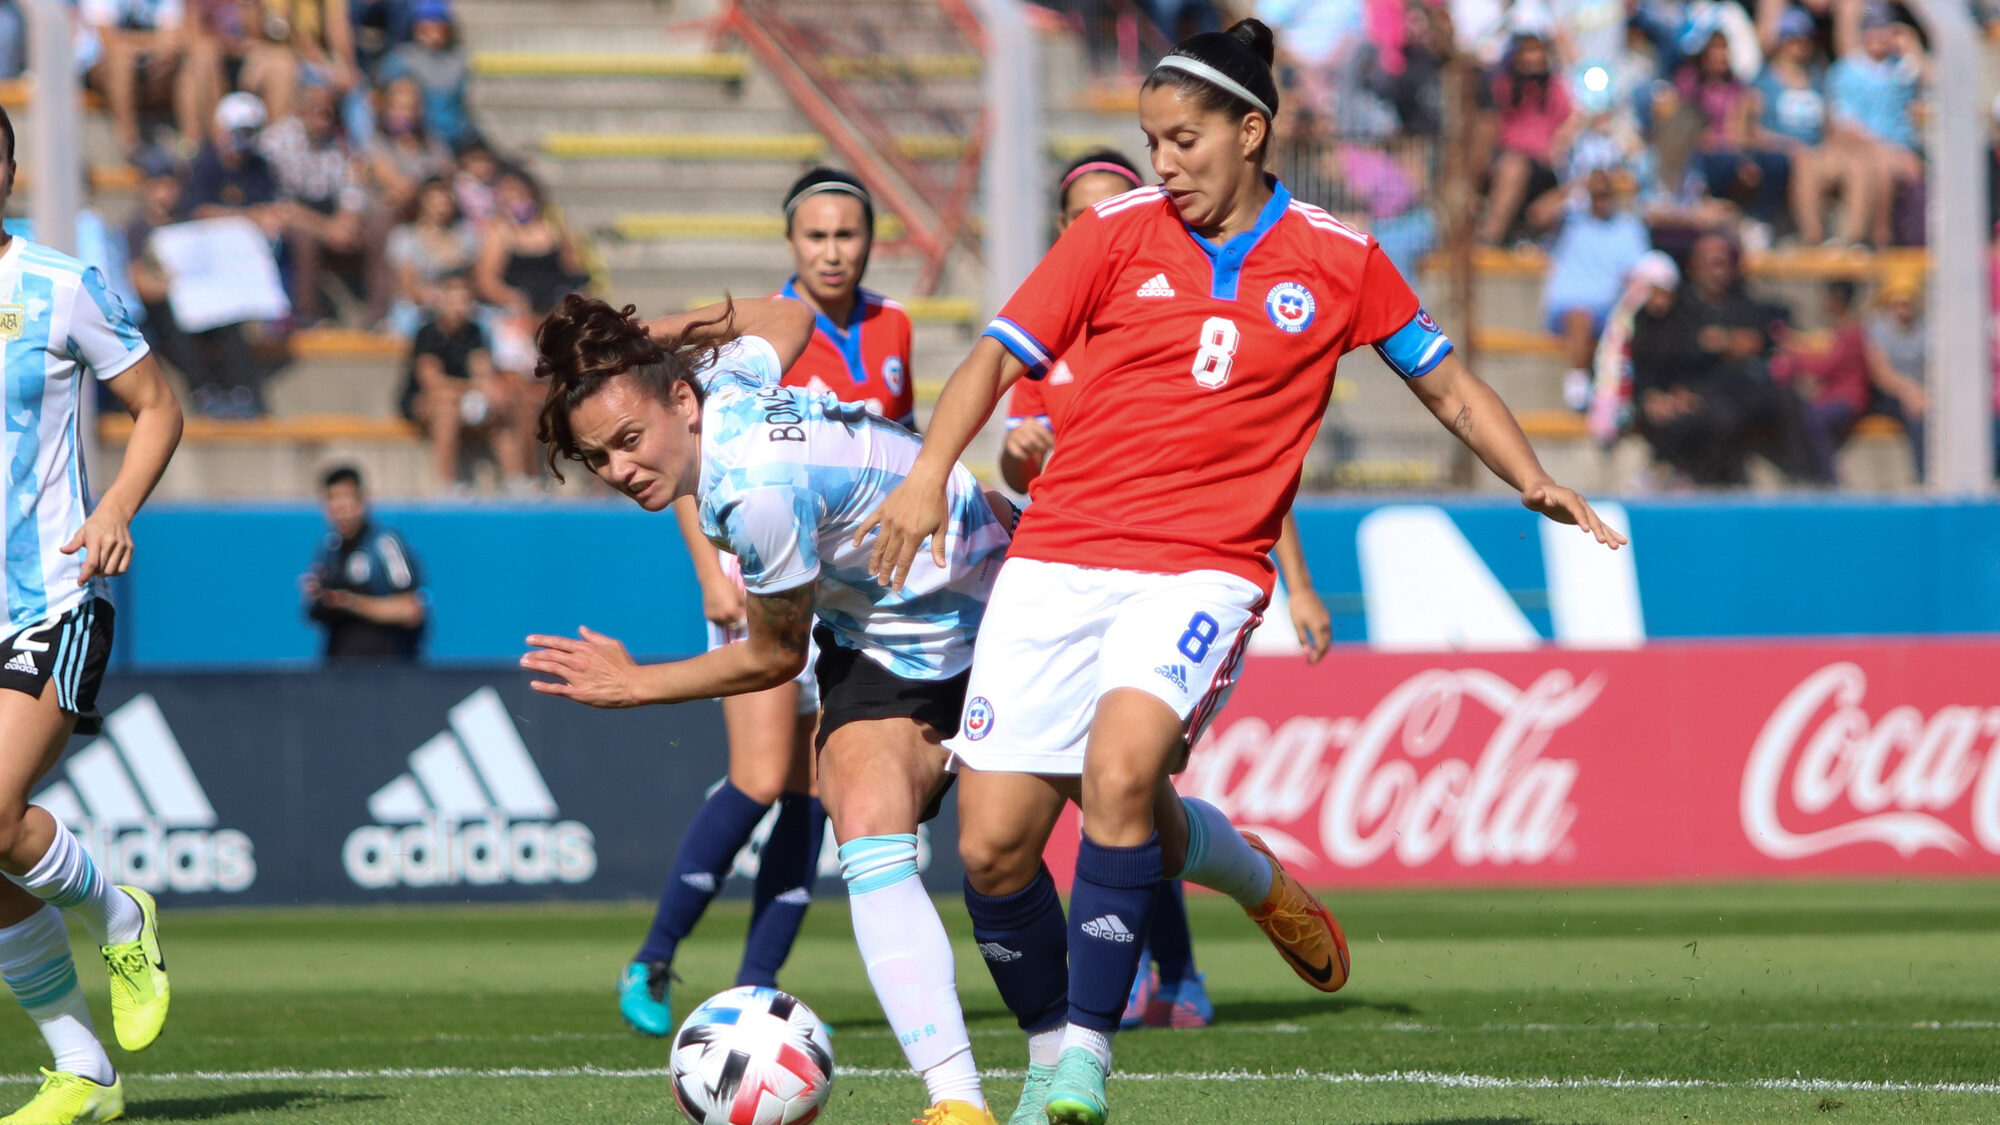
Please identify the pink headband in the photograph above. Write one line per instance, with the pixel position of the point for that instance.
(1118, 170)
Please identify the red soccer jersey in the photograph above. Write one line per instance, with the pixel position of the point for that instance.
(867, 361)
(1210, 367)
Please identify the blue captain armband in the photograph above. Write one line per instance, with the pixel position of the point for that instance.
(1019, 341)
(1416, 347)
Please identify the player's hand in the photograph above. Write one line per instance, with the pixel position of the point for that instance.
(1566, 505)
(1313, 622)
(914, 512)
(590, 668)
(1030, 441)
(106, 542)
(722, 602)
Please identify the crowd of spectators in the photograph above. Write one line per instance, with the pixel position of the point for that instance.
(338, 130)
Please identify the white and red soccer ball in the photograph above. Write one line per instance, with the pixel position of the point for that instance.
(752, 1056)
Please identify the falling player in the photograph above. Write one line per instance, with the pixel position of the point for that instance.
(64, 332)
(781, 477)
(859, 351)
(1119, 621)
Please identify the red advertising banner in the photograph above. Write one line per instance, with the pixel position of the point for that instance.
(1674, 761)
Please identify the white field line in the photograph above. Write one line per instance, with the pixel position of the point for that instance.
(1437, 1079)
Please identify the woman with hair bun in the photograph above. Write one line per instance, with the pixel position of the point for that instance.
(1216, 309)
(780, 477)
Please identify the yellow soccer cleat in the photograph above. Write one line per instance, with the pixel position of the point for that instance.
(1301, 927)
(65, 1097)
(138, 972)
(955, 1113)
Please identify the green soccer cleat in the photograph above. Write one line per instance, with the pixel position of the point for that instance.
(138, 972)
(1034, 1096)
(643, 998)
(65, 1097)
(1076, 1090)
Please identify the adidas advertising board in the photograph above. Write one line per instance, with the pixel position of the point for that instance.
(380, 785)
(141, 812)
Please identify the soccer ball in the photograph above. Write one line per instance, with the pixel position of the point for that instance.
(752, 1056)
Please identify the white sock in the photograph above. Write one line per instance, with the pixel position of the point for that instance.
(67, 877)
(1220, 859)
(1098, 1043)
(1045, 1047)
(910, 963)
(35, 962)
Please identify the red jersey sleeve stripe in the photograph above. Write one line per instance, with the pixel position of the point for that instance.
(1019, 341)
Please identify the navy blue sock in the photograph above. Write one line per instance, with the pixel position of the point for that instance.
(785, 871)
(1108, 909)
(1171, 944)
(719, 831)
(1026, 947)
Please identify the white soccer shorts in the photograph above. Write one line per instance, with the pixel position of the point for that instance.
(1055, 638)
(719, 635)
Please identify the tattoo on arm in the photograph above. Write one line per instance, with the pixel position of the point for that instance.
(1462, 425)
(785, 619)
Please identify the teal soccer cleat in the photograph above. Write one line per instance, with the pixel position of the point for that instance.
(1034, 1097)
(643, 998)
(1076, 1091)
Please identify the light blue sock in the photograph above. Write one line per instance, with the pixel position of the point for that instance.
(1220, 859)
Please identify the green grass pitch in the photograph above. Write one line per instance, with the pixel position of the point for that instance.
(1830, 1002)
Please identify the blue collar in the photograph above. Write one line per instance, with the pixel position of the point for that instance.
(1229, 257)
(846, 341)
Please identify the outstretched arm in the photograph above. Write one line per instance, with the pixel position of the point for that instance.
(595, 669)
(1471, 410)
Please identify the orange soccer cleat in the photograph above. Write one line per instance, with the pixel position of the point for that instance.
(1301, 927)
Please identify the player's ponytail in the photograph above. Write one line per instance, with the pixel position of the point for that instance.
(585, 343)
(1227, 72)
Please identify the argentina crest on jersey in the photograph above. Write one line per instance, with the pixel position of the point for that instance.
(1290, 306)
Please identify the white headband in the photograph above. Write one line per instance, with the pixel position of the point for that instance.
(1214, 77)
(827, 185)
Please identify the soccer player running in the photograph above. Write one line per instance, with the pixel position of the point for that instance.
(781, 477)
(1118, 624)
(859, 351)
(62, 331)
(1167, 990)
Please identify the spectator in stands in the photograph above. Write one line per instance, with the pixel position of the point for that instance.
(477, 182)
(255, 50)
(229, 176)
(149, 54)
(1731, 162)
(1871, 91)
(433, 59)
(380, 26)
(435, 243)
(1533, 108)
(1701, 387)
(527, 263)
(1899, 359)
(332, 215)
(454, 392)
(322, 36)
(363, 589)
(1600, 240)
(1829, 371)
(1177, 19)
(1792, 118)
(403, 153)
(223, 377)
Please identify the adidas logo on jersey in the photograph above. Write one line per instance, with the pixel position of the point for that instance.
(998, 954)
(1107, 927)
(1157, 287)
(133, 800)
(1176, 675)
(472, 810)
(22, 662)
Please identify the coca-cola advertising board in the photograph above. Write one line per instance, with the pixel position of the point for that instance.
(1674, 761)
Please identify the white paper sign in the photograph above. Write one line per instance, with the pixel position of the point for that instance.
(219, 271)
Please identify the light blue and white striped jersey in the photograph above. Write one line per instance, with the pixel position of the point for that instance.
(58, 322)
(787, 474)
